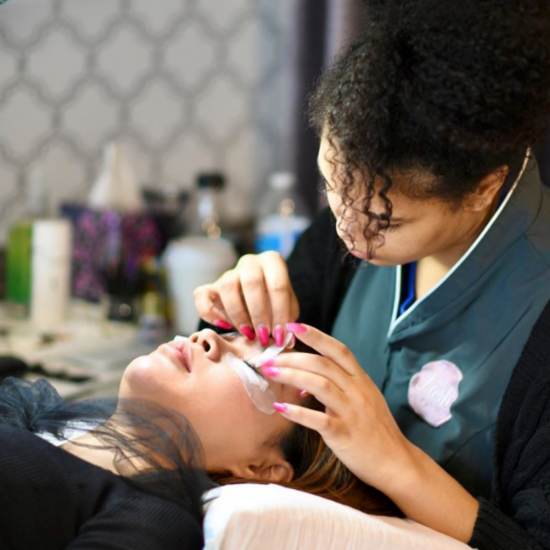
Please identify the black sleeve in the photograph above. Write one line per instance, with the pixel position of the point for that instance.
(495, 530)
(320, 272)
(521, 521)
(143, 523)
(518, 516)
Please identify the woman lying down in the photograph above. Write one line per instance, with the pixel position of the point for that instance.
(193, 413)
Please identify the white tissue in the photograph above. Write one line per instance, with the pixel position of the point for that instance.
(116, 187)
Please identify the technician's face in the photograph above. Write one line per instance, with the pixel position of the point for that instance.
(201, 385)
(418, 228)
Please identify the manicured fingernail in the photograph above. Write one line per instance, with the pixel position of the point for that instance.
(296, 328)
(271, 372)
(303, 394)
(220, 323)
(247, 331)
(279, 335)
(280, 407)
(263, 335)
(268, 363)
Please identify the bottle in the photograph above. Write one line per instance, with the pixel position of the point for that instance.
(18, 268)
(282, 216)
(19, 247)
(191, 262)
(200, 257)
(51, 274)
(153, 312)
(207, 221)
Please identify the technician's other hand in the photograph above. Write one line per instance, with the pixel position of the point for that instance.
(356, 423)
(256, 297)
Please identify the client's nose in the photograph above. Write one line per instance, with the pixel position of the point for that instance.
(209, 341)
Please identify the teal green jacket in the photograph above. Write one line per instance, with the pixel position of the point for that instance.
(444, 364)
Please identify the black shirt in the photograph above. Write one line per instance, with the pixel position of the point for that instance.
(52, 500)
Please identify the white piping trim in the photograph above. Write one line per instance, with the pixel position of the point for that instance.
(396, 320)
(396, 298)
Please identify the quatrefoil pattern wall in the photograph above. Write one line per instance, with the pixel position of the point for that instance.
(184, 85)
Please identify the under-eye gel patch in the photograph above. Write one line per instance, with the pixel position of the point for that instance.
(256, 387)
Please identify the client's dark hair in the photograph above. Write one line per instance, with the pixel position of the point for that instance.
(318, 471)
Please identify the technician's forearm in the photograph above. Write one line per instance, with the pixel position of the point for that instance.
(429, 495)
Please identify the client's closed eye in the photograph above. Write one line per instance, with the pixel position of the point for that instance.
(257, 371)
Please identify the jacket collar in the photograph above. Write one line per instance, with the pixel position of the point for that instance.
(509, 223)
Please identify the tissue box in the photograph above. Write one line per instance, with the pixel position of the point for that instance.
(103, 238)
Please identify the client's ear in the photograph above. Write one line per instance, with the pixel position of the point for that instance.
(275, 473)
(272, 468)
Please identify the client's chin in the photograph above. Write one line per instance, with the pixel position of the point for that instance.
(139, 378)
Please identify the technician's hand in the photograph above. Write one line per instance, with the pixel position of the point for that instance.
(357, 423)
(358, 426)
(256, 297)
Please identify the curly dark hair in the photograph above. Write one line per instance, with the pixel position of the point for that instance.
(453, 90)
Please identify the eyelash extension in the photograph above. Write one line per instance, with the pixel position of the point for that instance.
(258, 371)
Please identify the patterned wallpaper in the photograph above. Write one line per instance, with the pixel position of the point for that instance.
(184, 85)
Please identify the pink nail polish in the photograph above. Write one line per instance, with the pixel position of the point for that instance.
(271, 372)
(220, 323)
(247, 331)
(279, 335)
(268, 363)
(296, 328)
(304, 394)
(280, 407)
(263, 335)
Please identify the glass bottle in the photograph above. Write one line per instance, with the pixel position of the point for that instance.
(281, 215)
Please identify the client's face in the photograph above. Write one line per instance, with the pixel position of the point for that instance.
(198, 381)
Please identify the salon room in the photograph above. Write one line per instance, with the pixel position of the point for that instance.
(254, 251)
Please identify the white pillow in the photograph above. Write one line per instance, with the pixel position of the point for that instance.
(270, 517)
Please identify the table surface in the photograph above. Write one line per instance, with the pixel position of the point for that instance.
(86, 358)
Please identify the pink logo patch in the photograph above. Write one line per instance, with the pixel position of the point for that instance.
(433, 390)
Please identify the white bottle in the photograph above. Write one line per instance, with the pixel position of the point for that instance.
(51, 271)
(281, 216)
(191, 262)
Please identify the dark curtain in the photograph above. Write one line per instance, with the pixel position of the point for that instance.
(542, 152)
(322, 27)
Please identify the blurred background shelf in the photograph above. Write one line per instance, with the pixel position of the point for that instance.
(87, 358)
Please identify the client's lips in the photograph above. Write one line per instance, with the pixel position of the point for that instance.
(180, 351)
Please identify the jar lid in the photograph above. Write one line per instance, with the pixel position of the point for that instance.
(212, 180)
